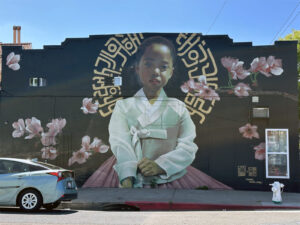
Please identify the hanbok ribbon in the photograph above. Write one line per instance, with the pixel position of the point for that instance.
(136, 143)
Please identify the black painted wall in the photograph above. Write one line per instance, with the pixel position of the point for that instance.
(69, 71)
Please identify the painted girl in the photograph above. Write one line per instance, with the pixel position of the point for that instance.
(152, 135)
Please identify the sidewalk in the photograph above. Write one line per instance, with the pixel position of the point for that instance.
(169, 199)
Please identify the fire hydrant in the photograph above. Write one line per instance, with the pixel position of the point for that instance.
(277, 189)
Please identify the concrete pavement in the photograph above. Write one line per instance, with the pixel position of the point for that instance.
(177, 199)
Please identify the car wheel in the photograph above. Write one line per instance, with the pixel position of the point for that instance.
(51, 205)
(30, 200)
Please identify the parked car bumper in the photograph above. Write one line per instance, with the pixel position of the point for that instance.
(68, 197)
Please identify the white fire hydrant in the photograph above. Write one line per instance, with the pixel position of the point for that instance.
(277, 189)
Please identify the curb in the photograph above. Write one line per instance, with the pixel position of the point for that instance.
(166, 206)
(169, 206)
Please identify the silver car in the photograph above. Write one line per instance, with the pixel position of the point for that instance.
(31, 184)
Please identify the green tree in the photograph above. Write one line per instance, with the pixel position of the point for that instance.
(295, 35)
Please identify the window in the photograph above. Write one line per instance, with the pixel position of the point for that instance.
(3, 169)
(7, 166)
(260, 112)
(277, 153)
(37, 82)
(42, 82)
(117, 81)
(33, 82)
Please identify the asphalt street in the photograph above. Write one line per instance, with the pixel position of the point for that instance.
(68, 217)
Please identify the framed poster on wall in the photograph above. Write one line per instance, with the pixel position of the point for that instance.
(277, 153)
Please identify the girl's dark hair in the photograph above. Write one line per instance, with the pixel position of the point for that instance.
(155, 40)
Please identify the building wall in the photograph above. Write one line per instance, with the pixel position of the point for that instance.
(24, 46)
(86, 67)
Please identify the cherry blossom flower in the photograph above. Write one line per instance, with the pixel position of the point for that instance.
(49, 137)
(267, 66)
(202, 80)
(249, 131)
(275, 66)
(98, 146)
(190, 86)
(208, 93)
(33, 127)
(49, 153)
(80, 157)
(85, 143)
(260, 151)
(12, 61)
(88, 106)
(235, 68)
(185, 87)
(241, 90)
(259, 65)
(55, 127)
(86, 147)
(103, 148)
(19, 127)
(200, 89)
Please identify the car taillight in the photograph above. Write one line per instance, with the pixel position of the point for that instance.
(58, 175)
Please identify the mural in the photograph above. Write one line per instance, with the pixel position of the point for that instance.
(150, 110)
(151, 135)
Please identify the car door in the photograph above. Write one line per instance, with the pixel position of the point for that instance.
(12, 174)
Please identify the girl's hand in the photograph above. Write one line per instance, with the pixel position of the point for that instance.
(127, 182)
(149, 168)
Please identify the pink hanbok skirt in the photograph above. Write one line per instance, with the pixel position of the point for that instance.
(106, 176)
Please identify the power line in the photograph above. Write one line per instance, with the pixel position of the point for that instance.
(215, 19)
(290, 23)
(285, 22)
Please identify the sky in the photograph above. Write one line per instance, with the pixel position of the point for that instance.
(51, 22)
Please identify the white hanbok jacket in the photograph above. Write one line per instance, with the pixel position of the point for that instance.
(163, 132)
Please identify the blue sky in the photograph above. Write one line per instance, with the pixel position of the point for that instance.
(50, 22)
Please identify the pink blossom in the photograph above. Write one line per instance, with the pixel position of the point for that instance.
(49, 137)
(259, 65)
(241, 90)
(235, 68)
(80, 157)
(208, 93)
(191, 85)
(49, 153)
(275, 66)
(33, 127)
(200, 89)
(19, 128)
(12, 61)
(249, 131)
(85, 143)
(95, 146)
(55, 127)
(88, 106)
(185, 87)
(98, 146)
(260, 151)
(202, 80)
(267, 66)
(103, 148)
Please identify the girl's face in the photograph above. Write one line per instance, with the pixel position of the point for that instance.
(155, 67)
